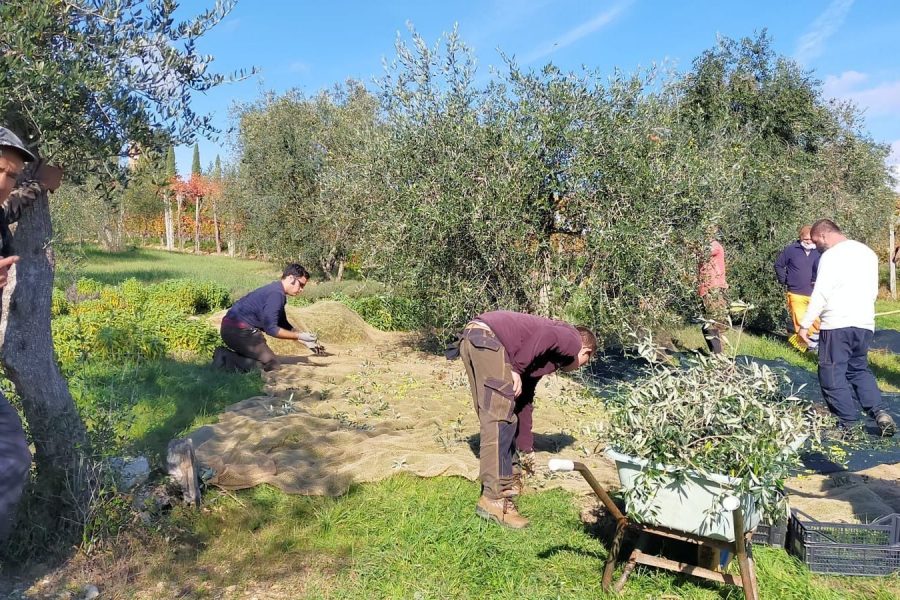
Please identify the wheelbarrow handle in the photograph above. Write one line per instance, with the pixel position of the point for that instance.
(564, 465)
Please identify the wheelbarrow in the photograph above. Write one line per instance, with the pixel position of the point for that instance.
(739, 546)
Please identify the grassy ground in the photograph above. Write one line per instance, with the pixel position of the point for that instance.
(409, 538)
(138, 408)
(153, 266)
(401, 538)
(886, 366)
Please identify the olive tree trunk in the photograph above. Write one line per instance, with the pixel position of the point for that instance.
(26, 352)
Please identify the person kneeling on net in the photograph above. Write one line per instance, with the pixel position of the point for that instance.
(262, 310)
(506, 353)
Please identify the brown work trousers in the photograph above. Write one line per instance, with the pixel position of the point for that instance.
(490, 379)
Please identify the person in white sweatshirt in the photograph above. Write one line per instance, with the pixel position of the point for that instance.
(844, 299)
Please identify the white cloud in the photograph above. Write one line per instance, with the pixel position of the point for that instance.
(298, 67)
(230, 25)
(575, 34)
(836, 86)
(812, 43)
(880, 99)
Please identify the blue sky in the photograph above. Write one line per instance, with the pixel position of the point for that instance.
(852, 46)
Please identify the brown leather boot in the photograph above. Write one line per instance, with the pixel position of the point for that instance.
(502, 510)
(518, 486)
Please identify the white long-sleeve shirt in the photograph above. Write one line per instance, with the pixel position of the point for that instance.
(846, 288)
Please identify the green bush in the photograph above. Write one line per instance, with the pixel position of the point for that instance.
(387, 312)
(87, 287)
(135, 291)
(134, 322)
(188, 296)
(59, 304)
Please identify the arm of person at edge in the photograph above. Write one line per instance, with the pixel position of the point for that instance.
(817, 301)
(46, 178)
(815, 269)
(5, 264)
(781, 268)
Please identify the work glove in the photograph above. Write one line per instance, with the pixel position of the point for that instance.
(528, 462)
(311, 341)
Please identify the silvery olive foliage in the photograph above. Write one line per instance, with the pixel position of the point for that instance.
(713, 415)
(304, 175)
(582, 195)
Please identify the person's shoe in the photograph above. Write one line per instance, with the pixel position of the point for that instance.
(518, 486)
(502, 510)
(219, 358)
(885, 423)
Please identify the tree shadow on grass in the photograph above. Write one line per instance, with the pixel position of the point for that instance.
(146, 405)
(892, 376)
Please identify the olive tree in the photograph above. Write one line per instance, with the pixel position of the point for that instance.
(807, 158)
(305, 170)
(82, 81)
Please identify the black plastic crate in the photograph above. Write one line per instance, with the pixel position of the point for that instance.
(771, 535)
(845, 549)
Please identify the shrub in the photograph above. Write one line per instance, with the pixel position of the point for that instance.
(59, 304)
(187, 296)
(135, 291)
(387, 312)
(135, 322)
(85, 286)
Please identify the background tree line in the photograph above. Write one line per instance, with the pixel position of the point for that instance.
(583, 195)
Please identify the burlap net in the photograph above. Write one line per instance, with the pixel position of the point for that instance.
(374, 406)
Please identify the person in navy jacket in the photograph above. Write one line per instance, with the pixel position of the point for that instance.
(796, 269)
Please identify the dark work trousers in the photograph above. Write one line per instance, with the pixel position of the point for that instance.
(490, 379)
(15, 462)
(248, 350)
(715, 313)
(844, 373)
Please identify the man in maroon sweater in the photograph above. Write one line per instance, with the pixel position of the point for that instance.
(505, 352)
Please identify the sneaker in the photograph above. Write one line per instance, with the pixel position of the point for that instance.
(502, 510)
(885, 423)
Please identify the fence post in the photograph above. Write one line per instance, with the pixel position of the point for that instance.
(892, 266)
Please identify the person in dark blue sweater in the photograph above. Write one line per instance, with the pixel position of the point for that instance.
(262, 310)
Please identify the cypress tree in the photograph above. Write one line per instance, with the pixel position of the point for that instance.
(195, 166)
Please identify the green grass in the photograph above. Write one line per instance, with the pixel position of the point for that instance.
(153, 266)
(884, 365)
(139, 408)
(887, 321)
(408, 537)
